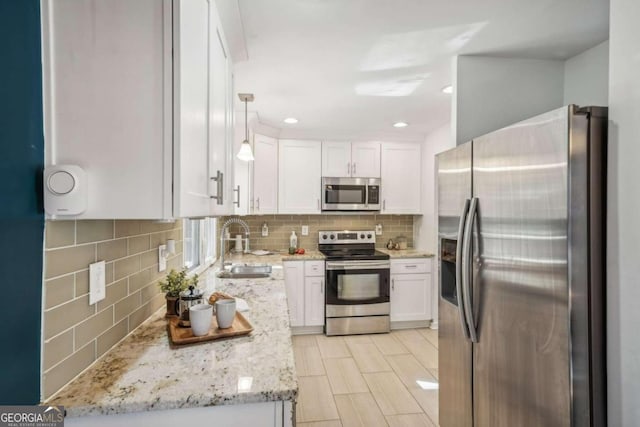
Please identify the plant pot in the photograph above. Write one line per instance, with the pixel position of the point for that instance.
(172, 305)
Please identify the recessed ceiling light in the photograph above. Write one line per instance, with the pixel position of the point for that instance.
(400, 125)
(291, 120)
(447, 89)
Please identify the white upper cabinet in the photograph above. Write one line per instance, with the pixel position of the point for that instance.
(241, 173)
(107, 87)
(220, 110)
(336, 159)
(401, 178)
(299, 176)
(191, 108)
(351, 159)
(138, 94)
(265, 175)
(365, 159)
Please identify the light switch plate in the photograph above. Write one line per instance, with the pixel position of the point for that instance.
(305, 230)
(162, 260)
(97, 288)
(378, 229)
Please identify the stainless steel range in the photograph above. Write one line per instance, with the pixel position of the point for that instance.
(357, 283)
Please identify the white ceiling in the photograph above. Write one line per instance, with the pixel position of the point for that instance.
(350, 68)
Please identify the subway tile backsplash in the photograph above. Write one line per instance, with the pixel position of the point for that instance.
(76, 333)
(280, 227)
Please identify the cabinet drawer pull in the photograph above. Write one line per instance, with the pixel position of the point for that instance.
(411, 266)
(238, 190)
(219, 179)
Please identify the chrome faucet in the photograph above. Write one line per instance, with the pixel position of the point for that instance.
(223, 232)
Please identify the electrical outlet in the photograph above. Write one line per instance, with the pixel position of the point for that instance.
(265, 230)
(97, 289)
(305, 230)
(378, 229)
(162, 258)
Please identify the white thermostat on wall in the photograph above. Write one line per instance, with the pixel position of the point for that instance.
(65, 190)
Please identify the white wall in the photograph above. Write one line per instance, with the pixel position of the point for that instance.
(623, 227)
(492, 93)
(586, 77)
(426, 226)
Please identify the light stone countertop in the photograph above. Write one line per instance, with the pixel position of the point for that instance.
(406, 253)
(278, 257)
(144, 373)
(275, 258)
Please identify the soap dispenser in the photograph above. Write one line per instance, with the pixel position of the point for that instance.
(293, 241)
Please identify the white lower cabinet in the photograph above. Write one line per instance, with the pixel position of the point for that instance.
(410, 290)
(304, 281)
(294, 283)
(261, 414)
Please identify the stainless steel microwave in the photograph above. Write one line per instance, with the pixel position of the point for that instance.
(350, 194)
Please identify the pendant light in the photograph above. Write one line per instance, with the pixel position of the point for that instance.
(245, 152)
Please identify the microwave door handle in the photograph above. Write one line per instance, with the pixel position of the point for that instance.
(459, 255)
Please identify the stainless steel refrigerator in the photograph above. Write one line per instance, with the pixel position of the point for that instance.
(521, 261)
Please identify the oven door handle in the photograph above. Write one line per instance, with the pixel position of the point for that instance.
(358, 265)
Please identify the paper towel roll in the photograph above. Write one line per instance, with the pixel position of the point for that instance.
(238, 243)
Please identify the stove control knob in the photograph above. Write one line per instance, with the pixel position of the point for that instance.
(369, 236)
(362, 236)
(324, 237)
(332, 236)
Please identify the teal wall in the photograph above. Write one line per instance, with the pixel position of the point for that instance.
(21, 213)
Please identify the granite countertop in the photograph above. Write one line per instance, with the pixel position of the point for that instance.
(144, 372)
(277, 258)
(407, 253)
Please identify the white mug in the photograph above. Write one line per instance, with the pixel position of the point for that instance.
(225, 312)
(200, 317)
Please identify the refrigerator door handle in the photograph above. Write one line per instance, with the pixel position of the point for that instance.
(466, 267)
(459, 277)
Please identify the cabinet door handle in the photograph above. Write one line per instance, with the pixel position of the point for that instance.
(258, 204)
(318, 203)
(384, 205)
(238, 190)
(219, 179)
(354, 168)
(348, 169)
(321, 287)
(393, 284)
(252, 204)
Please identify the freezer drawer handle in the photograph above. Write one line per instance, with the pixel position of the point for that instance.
(463, 217)
(466, 267)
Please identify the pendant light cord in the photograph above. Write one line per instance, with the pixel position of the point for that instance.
(246, 122)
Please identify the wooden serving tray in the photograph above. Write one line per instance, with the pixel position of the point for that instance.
(179, 335)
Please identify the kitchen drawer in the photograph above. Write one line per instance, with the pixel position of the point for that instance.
(314, 268)
(410, 266)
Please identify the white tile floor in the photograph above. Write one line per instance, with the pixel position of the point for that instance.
(368, 380)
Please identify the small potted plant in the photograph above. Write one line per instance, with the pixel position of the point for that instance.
(172, 285)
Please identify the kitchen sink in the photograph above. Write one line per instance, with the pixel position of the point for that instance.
(246, 271)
